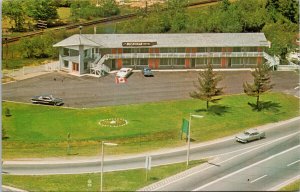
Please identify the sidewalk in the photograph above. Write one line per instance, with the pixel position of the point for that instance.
(67, 160)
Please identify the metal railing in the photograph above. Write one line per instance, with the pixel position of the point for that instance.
(184, 55)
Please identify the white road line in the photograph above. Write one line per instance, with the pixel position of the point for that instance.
(240, 170)
(293, 163)
(258, 178)
(262, 145)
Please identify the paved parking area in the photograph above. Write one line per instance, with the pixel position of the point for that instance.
(91, 91)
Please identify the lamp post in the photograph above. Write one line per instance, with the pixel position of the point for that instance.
(189, 138)
(102, 161)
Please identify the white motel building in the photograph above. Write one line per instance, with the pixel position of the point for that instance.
(99, 53)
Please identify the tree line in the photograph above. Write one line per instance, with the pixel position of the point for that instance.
(18, 11)
(278, 19)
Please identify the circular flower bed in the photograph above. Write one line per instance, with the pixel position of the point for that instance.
(113, 122)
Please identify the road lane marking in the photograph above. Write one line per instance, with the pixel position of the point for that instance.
(258, 178)
(255, 147)
(240, 170)
(293, 163)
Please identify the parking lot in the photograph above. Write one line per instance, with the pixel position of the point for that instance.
(91, 91)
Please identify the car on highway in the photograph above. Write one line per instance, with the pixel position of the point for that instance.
(124, 72)
(147, 72)
(250, 135)
(47, 100)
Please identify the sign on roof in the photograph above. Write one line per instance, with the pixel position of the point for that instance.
(134, 44)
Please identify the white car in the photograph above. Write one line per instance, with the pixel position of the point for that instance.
(250, 135)
(124, 72)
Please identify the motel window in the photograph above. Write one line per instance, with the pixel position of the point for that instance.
(250, 60)
(181, 50)
(163, 50)
(85, 53)
(74, 52)
(164, 61)
(201, 49)
(66, 64)
(126, 62)
(144, 50)
(66, 52)
(201, 61)
(143, 62)
(236, 49)
(215, 49)
(180, 61)
(85, 65)
(236, 60)
(126, 50)
(215, 61)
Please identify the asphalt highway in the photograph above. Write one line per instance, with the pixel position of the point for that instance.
(276, 137)
(257, 168)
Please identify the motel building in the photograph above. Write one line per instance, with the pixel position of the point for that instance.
(98, 54)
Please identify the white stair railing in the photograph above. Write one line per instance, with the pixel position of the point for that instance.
(98, 66)
(272, 61)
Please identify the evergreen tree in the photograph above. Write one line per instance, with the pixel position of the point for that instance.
(261, 84)
(207, 86)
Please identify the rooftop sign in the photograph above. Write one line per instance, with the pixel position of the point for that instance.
(136, 44)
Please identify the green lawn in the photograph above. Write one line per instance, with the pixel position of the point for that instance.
(41, 131)
(295, 186)
(113, 181)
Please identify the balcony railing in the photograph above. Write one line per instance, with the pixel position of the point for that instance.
(184, 55)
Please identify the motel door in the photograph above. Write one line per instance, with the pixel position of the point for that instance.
(75, 67)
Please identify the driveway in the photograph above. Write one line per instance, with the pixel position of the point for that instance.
(88, 91)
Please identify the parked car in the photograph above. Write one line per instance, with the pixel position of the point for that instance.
(250, 135)
(124, 72)
(47, 100)
(147, 72)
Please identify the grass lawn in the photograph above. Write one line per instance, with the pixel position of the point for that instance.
(113, 181)
(41, 131)
(295, 186)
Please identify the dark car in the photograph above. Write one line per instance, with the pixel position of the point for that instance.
(47, 100)
(147, 72)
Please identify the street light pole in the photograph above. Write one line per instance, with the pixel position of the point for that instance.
(102, 161)
(189, 138)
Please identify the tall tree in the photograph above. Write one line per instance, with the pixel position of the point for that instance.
(207, 86)
(261, 84)
(41, 9)
(14, 9)
(109, 8)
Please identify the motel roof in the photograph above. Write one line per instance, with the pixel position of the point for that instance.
(168, 40)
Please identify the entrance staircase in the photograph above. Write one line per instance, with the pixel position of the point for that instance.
(271, 61)
(98, 67)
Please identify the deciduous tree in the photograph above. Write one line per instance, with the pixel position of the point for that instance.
(41, 9)
(206, 86)
(15, 10)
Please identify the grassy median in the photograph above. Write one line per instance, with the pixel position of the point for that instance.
(113, 181)
(42, 131)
